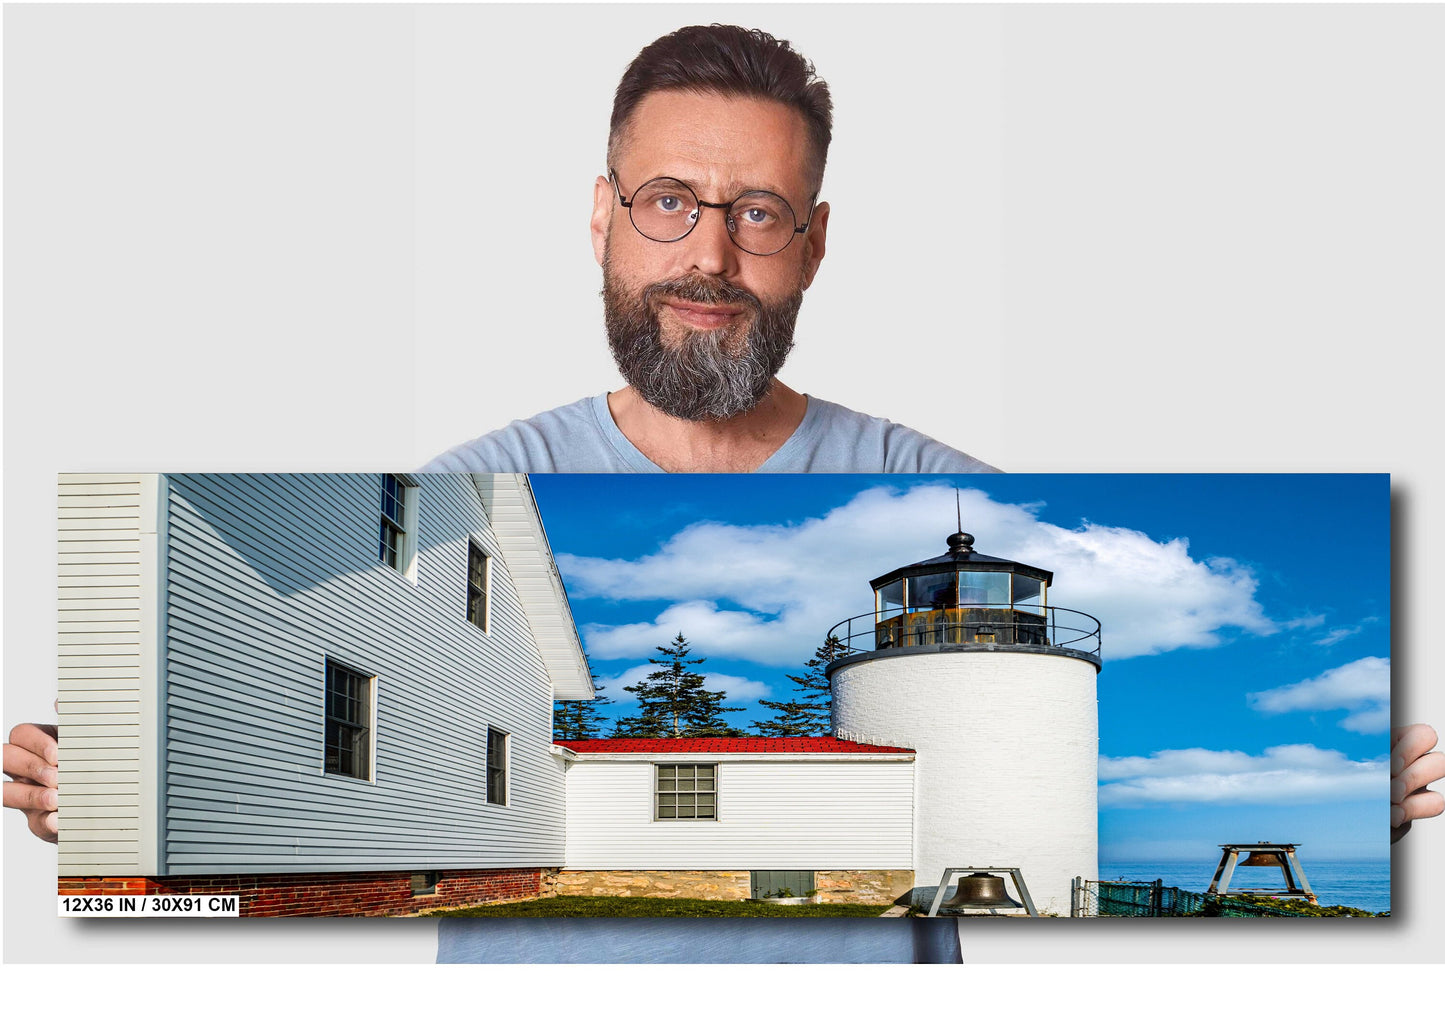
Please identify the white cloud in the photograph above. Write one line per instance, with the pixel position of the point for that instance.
(736, 687)
(1281, 775)
(1361, 687)
(769, 592)
(1335, 635)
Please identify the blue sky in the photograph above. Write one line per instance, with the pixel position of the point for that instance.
(1246, 619)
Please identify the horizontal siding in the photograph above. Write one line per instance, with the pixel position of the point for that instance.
(517, 525)
(99, 626)
(771, 815)
(268, 575)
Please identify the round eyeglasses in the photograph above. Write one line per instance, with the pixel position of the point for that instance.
(758, 222)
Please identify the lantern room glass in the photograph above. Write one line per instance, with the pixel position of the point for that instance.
(890, 599)
(932, 592)
(983, 589)
(1028, 593)
(951, 590)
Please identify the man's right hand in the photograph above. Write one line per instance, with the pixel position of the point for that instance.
(31, 758)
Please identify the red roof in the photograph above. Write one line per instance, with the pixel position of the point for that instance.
(796, 744)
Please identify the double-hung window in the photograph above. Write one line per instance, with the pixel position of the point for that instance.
(479, 581)
(497, 741)
(397, 543)
(686, 792)
(349, 707)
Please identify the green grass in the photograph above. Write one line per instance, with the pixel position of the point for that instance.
(640, 906)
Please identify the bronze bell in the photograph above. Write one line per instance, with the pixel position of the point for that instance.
(979, 891)
(1262, 860)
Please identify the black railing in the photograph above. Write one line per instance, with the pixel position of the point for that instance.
(982, 625)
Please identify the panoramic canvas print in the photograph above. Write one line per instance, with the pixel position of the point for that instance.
(724, 695)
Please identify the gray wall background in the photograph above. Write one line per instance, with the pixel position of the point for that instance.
(1190, 238)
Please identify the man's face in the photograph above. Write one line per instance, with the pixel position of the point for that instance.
(699, 327)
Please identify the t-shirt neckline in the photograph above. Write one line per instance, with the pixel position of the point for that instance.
(639, 461)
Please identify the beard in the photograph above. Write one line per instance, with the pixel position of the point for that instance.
(706, 375)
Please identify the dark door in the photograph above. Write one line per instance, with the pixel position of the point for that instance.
(775, 883)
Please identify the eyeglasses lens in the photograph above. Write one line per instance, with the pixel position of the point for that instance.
(665, 210)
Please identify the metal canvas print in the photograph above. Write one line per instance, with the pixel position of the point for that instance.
(779, 696)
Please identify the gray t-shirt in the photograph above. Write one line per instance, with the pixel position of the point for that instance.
(582, 437)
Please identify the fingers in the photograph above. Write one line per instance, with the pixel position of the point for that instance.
(1413, 767)
(1417, 776)
(39, 804)
(1416, 806)
(25, 765)
(28, 796)
(30, 759)
(44, 824)
(1424, 804)
(41, 739)
(1409, 744)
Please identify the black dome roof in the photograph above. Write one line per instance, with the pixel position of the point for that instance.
(961, 556)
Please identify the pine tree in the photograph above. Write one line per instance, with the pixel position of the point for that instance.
(809, 714)
(672, 700)
(704, 720)
(645, 725)
(578, 719)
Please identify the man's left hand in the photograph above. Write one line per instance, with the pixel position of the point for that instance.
(1412, 767)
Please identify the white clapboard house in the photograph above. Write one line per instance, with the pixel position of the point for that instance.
(329, 693)
(333, 694)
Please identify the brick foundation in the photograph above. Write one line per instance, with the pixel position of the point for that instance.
(351, 894)
(832, 886)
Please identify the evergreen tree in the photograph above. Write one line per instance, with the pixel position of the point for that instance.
(809, 713)
(578, 719)
(672, 701)
(704, 720)
(645, 725)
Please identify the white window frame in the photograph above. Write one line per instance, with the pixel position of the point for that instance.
(486, 626)
(370, 720)
(657, 791)
(411, 503)
(506, 737)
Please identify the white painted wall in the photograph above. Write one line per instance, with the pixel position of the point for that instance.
(772, 815)
(1007, 765)
(107, 625)
(517, 528)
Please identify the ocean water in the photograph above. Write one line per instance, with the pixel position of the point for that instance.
(1352, 883)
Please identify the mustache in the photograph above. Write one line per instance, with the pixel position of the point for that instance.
(701, 289)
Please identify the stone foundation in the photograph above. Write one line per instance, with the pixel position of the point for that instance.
(711, 885)
(832, 886)
(342, 894)
(862, 886)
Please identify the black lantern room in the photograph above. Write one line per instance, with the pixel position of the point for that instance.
(962, 596)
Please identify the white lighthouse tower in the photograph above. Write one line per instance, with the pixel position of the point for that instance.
(964, 661)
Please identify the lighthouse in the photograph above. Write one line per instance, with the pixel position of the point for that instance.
(964, 661)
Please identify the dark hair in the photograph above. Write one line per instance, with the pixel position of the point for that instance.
(731, 61)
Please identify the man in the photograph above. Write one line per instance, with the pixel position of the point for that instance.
(708, 230)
